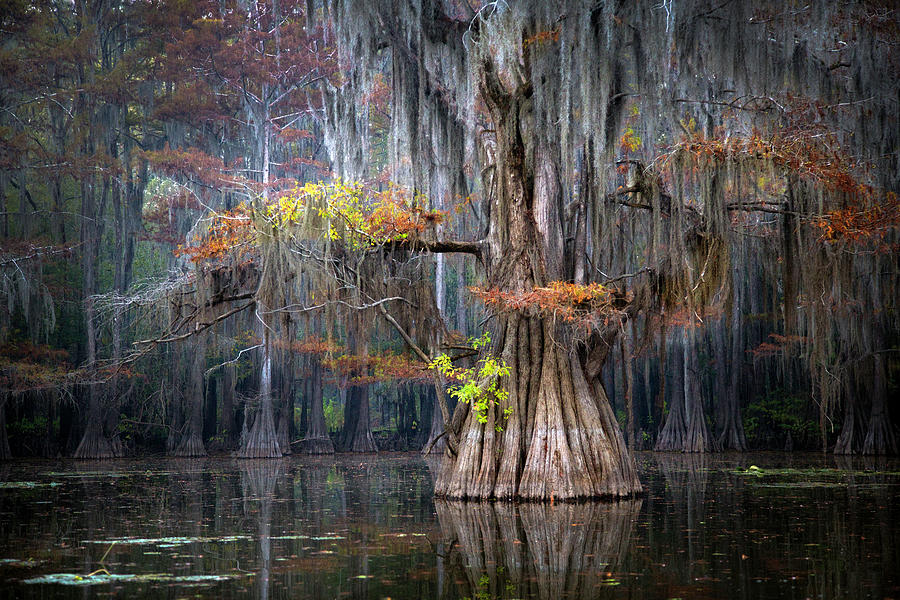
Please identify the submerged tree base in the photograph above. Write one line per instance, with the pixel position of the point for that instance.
(190, 446)
(95, 445)
(261, 441)
(554, 438)
(316, 446)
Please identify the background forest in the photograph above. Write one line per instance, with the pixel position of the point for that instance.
(249, 226)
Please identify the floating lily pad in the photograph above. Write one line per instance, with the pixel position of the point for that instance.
(26, 485)
(101, 578)
(170, 542)
(84, 474)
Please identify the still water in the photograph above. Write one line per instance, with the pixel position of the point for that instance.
(733, 526)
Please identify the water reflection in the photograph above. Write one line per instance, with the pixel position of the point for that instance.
(505, 550)
(367, 527)
(258, 479)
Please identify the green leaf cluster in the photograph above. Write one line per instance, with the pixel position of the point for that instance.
(479, 385)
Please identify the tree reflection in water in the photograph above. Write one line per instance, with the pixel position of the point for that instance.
(258, 481)
(504, 550)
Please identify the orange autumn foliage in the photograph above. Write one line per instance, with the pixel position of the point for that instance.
(860, 224)
(355, 369)
(229, 232)
(572, 302)
(778, 345)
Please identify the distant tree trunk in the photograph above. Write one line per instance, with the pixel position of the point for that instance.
(853, 429)
(731, 436)
(262, 441)
(192, 441)
(304, 403)
(175, 396)
(460, 303)
(228, 423)
(674, 432)
(94, 443)
(436, 428)
(317, 440)
(628, 370)
(660, 399)
(5, 453)
(286, 407)
(357, 435)
(211, 408)
(698, 438)
(880, 436)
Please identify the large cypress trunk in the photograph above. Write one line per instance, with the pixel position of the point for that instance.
(561, 440)
(317, 440)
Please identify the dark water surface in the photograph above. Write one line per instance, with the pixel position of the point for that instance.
(733, 526)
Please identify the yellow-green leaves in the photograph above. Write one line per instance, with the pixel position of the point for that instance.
(479, 385)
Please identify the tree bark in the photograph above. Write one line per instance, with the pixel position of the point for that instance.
(261, 441)
(317, 440)
(5, 453)
(674, 432)
(357, 435)
(560, 440)
(437, 439)
(192, 441)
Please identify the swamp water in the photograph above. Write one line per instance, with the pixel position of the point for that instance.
(363, 526)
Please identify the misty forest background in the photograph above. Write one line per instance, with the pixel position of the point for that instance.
(162, 164)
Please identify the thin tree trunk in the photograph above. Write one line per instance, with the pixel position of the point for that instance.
(5, 453)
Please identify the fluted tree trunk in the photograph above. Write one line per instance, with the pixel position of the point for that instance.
(357, 434)
(561, 439)
(192, 440)
(317, 440)
(261, 441)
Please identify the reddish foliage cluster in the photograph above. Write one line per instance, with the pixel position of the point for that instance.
(311, 345)
(353, 370)
(192, 163)
(34, 249)
(230, 233)
(25, 366)
(573, 302)
(798, 154)
(777, 346)
(542, 37)
(859, 223)
(289, 134)
(158, 219)
(33, 353)
(868, 214)
(295, 164)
